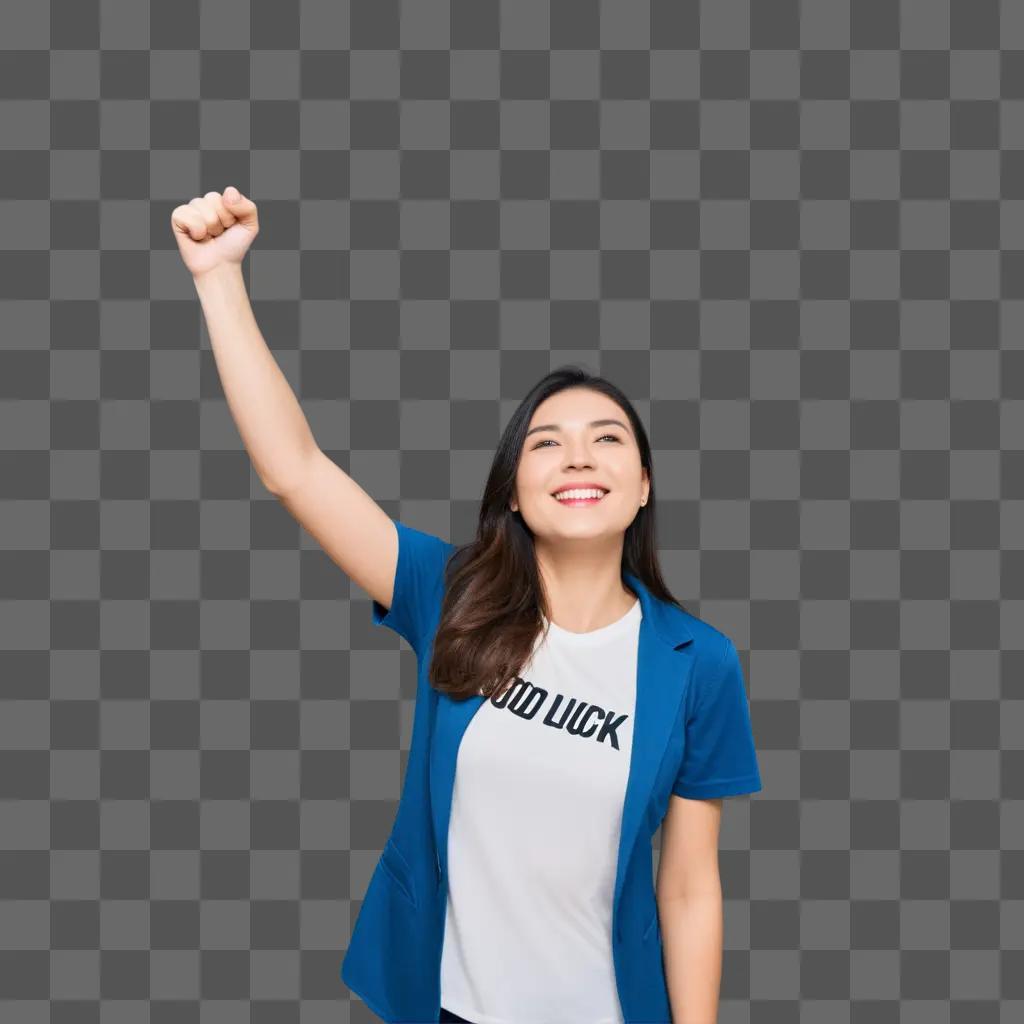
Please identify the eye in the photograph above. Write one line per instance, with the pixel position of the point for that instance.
(617, 440)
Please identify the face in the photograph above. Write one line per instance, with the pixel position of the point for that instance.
(572, 449)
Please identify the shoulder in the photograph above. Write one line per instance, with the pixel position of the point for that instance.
(711, 647)
(715, 687)
(423, 555)
(421, 543)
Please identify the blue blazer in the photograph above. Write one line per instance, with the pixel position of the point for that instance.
(691, 736)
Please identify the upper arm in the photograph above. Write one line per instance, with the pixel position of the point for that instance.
(354, 531)
(719, 756)
(400, 567)
(719, 760)
(688, 860)
(418, 585)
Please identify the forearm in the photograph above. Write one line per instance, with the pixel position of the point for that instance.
(691, 935)
(263, 405)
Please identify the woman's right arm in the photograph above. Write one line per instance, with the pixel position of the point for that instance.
(213, 234)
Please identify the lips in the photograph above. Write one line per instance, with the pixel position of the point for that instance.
(579, 501)
(583, 485)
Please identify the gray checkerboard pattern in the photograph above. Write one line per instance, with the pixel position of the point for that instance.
(202, 736)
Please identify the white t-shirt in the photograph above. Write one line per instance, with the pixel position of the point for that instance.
(533, 838)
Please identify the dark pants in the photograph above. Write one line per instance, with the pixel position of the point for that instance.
(447, 1017)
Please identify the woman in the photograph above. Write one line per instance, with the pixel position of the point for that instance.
(567, 705)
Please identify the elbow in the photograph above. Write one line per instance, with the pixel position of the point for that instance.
(286, 479)
(707, 891)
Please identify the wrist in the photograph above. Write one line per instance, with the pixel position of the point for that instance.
(222, 271)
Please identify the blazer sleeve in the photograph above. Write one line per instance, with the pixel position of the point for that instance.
(719, 756)
(419, 585)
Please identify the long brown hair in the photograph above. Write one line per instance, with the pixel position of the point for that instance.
(493, 600)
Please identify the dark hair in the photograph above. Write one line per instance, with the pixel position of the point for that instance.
(493, 600)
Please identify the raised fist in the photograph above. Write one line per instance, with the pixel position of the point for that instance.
(214, 229)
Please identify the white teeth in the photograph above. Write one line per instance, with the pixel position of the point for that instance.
(577, 494)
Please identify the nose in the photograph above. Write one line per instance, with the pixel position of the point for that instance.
(578, 455)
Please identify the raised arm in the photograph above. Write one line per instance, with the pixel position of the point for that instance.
(213, 233)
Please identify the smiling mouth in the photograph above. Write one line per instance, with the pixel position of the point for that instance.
(579, 501)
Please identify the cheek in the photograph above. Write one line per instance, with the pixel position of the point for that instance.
(530, 484)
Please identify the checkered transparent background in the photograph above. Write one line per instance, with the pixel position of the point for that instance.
(792, 232)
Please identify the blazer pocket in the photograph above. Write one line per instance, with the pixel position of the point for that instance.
(396, 867)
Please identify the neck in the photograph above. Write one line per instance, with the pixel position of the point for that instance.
(584, 591)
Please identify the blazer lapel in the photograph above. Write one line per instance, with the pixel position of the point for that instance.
(659, 689)
(450, 721)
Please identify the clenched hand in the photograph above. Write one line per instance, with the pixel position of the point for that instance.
(214, 229)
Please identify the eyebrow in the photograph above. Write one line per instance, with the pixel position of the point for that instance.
(593, 423)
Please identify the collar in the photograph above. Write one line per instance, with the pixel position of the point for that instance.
(668, 620)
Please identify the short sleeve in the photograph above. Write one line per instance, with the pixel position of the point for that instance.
(419, 585)
(719, 756)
